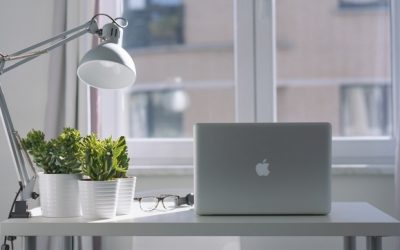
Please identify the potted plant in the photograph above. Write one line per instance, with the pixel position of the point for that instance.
(98, 192)
(59, 159)
(126, 184)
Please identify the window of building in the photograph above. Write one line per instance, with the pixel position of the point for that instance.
(366, 110)
(363, 4)
(157, 114)
(153, 23)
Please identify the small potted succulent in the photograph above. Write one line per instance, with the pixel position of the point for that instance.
(100, 165)
(59, 158)
(126, 183)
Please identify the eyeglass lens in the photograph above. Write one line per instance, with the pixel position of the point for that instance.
(148, 203)
(170, 202)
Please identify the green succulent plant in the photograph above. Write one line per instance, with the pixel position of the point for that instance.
(61, 155)
(104, 159)
(120, 157)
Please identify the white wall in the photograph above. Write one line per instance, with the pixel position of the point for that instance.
(26, 22)
(22, 23)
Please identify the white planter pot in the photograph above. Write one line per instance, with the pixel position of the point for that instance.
(125, 195)
(58, 195)
(98, 198)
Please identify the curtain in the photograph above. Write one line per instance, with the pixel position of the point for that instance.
(395, 25)
(397, 163)
(67, 104)
(68, 99)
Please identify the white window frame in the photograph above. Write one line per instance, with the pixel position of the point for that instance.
(255, 99)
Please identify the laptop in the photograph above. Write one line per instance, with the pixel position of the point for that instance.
(262, 168)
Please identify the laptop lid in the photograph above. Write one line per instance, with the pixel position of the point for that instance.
(262, 168)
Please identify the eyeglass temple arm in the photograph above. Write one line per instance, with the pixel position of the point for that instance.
(187, 200)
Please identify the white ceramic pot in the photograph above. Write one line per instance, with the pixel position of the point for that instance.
(58, 195)
(125, 195)
(98, 198)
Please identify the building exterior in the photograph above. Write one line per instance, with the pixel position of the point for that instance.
(333, 64)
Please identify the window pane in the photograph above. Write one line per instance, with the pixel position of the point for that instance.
(333, 64)
(364, 110)
(184, 63)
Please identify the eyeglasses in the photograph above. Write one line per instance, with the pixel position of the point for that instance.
(168, 201)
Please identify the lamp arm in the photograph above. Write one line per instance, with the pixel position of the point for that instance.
(32, 56)
(26, 184)
(22, 174)
(59, 36)
(27, 55)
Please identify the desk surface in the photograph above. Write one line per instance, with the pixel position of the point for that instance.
(346, 219)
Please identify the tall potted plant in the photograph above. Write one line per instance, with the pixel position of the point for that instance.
(126, 183)
(59, 158)
(98, 192)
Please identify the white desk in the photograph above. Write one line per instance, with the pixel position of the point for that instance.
(346, 219)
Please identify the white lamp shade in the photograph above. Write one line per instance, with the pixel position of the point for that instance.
(107, 66)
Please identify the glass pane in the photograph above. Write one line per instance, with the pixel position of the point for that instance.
(170, 202)
(148, 203)
(184, 64)
(333, 64)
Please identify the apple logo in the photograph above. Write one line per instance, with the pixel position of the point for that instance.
(262, 168)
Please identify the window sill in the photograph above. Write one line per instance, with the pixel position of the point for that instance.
(180, 170)
(187, 170)
(348, 170)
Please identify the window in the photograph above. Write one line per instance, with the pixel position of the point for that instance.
(153, 23)
(288, 67)
(366, 110)
(337, 70)
(184, 64)
(155, 114)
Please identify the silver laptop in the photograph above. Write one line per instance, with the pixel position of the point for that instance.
(262, 168)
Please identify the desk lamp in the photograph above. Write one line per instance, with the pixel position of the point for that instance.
(106, 66)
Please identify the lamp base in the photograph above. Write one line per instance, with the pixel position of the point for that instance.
(20, 210)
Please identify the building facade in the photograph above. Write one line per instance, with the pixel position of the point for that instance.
(332, 60)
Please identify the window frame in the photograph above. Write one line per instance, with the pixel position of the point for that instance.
(362, 5)
(254, 48)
